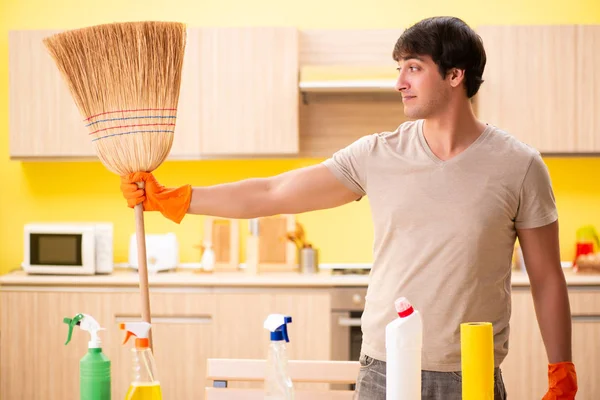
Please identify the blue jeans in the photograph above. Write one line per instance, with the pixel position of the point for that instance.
(370, 384)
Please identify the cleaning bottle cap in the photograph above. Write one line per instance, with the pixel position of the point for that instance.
(138, 329)
(86, 323)
(277, 324)
(403, 307)
(588, 232)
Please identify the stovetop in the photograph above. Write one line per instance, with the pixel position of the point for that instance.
(350, 271)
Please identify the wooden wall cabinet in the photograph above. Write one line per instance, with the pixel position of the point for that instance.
(588, 86)
(242, 93)
(239, 96)
(239, 93)
(542, 85)
(44, 121)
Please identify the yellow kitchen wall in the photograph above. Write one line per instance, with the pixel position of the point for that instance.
(75, 191)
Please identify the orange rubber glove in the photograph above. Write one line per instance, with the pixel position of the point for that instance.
(562, 381)
(173, 203)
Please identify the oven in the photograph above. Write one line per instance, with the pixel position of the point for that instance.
(347, 305)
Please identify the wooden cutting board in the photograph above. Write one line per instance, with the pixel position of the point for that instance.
(224, 234)
(267, 248)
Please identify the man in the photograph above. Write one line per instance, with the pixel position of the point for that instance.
(449, 196)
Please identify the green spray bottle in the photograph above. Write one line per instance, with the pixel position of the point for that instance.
(94, 367)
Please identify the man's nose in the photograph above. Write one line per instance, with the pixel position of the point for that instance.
(401, 83)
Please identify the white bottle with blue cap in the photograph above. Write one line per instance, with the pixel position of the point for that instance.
(278, 385)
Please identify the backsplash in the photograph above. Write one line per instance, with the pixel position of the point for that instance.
(74, 191)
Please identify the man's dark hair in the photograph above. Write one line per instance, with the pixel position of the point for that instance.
(450, 43)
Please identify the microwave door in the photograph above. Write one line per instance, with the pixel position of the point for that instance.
(60, 253)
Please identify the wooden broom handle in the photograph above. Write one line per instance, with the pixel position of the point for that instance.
(140, 234)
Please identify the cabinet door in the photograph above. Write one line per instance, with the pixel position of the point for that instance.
(311, 323)
(186, 140)
(247, 91)
(530, 87)
(585, 310)
(44, 121)
(310, 331)
(525, 369)
(240, 334)
(310, 312)
(34, 362)
(588, 87)
(182, 336)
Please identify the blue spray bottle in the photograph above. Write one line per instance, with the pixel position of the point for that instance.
(278, 385)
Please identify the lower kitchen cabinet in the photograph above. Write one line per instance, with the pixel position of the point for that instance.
(187, 329)
(525, 368)
(194, 323)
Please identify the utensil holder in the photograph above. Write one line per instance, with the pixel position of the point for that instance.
(308, 259)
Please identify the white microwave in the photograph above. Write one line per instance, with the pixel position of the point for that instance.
(68, 248)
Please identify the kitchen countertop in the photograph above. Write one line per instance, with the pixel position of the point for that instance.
(189, 278)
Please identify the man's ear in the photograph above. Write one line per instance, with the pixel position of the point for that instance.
(456, 76)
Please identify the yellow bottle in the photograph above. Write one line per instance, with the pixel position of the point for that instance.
(144, 384)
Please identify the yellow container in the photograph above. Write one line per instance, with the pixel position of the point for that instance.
(477, 360)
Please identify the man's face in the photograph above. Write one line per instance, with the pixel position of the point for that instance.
(424, 91)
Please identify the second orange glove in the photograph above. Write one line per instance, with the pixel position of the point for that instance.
(562, 381)
(173, 203)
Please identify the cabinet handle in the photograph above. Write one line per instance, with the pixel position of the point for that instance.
(585, 318)
(181, 319)
(349, 321)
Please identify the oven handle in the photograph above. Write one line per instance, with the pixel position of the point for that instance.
(343, 321)
(585, 317)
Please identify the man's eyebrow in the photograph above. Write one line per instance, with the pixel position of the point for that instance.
(412, 57)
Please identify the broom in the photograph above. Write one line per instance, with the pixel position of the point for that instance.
(125, 80)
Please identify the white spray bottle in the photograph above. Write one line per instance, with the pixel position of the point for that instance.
(278, 385)
(208, 256)
(403, 343)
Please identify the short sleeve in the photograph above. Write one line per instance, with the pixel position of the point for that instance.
(349, 164)
(537, 205)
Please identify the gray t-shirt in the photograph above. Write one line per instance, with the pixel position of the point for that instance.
(444, 232)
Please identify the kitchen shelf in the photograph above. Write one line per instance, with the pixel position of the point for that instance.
(347, 86)
(347, 79)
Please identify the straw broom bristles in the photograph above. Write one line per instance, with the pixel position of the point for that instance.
(125, 79)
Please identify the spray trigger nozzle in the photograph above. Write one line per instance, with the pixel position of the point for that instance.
(138, 329)
(72, 322)
(277, 324)
(86, 323)
(127, 336)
